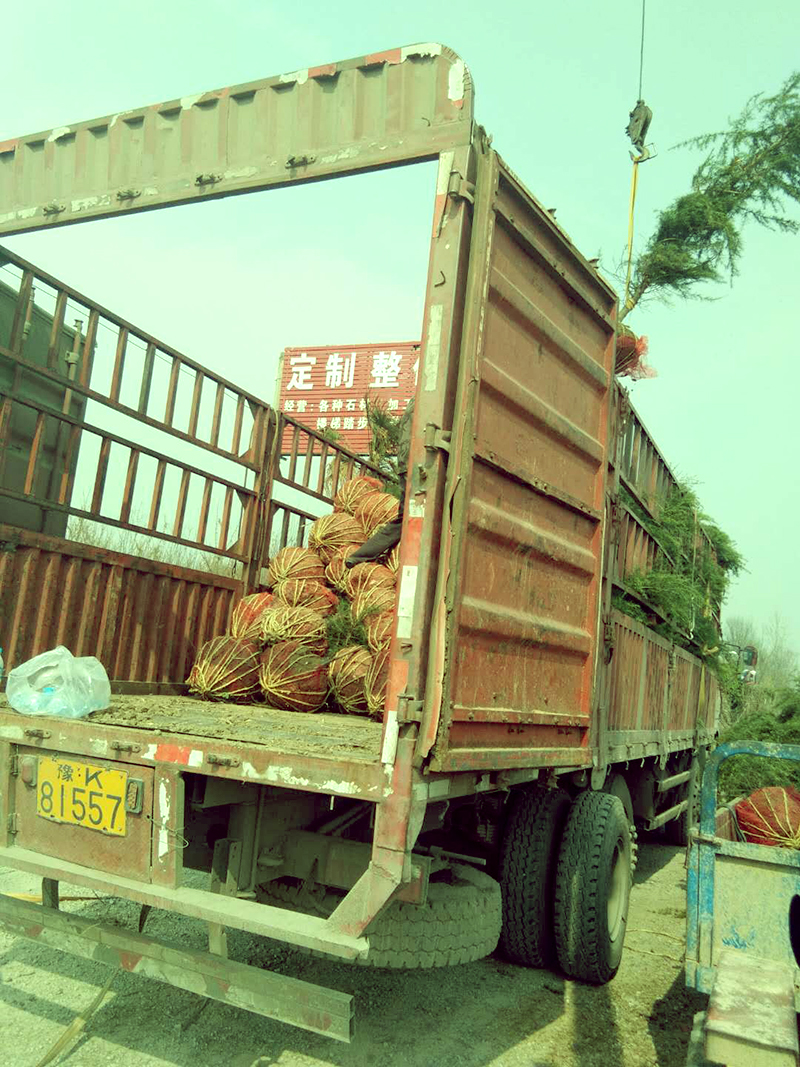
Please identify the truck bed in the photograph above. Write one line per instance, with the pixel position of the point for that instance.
(326, 735)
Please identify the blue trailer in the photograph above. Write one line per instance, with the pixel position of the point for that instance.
(742, 931)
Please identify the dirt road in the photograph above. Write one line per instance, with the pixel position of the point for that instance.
(487, 1014)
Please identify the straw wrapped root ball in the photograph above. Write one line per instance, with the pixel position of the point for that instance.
(285, 623)
(372, 599)
(226, 668)
(376, 682)
(306, 593)
(771, 816)
(351, 493)
(393, 560)
(336, 572)
(332, 532)
(364, 574)
(348, 672)
(294, 562)
(247, 615)
(379, 631)
(375, 510)
(293, 678)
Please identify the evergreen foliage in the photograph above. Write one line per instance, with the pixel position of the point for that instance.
(690, 578)
(750, 174)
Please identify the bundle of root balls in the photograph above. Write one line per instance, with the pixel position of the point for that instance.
(318, 637)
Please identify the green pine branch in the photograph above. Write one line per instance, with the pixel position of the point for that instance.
(751, 173)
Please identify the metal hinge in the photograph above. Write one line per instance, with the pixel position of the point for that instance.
(408, 709)
(13, 765)
(436, 438)
(13, 823)
(459, 188)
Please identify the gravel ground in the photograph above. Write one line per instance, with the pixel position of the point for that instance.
(486, 1014)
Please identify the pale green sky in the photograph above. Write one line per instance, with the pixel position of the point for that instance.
(233, 282)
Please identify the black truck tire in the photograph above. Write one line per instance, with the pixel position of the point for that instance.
(677, 831)
(593, 884)
(528, 857)
(459, 923)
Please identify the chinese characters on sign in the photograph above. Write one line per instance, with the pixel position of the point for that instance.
(326, 388)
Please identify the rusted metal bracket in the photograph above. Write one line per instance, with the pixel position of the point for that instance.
(222, 761)
(203, 180)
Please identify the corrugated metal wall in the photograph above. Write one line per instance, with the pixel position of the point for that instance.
(143, 620)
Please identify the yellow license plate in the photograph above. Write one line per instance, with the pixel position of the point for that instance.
(81, 794)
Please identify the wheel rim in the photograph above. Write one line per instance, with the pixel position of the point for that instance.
(617, 897)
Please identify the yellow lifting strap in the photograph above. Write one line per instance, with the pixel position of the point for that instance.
(634, 183)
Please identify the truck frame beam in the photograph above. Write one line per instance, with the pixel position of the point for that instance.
(312, 1007)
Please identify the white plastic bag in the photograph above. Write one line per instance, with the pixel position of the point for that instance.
(59, 684)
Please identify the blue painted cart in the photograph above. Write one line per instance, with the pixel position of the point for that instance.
(743, 928)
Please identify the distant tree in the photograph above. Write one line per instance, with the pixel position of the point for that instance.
(750, 174)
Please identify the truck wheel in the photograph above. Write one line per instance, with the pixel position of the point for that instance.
(677, 831)
(527, 874)
(459, 923)
(618, 787)
(593, 886)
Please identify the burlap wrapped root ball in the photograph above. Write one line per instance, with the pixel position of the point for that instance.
(351, 493)
(379, 631)
(247, 615)
(336, 573)
(376, 682)
(226, 668)
(332, 532)
(306, 593)
(375, 510)
(372, 599)
(348, 672)
(364, 574)
(284, 623)
(293, 562)
(293, 678)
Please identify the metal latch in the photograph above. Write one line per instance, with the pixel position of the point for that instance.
(124, 746)
(299, 161)
(222, 761)
(129, 194)
(207, 179)
(13, 765)
(13, 823)
(43, 734)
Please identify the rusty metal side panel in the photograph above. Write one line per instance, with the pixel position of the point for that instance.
(143, 620)
(392, 107)
(657, 693)
(528, 464)
(627, 671)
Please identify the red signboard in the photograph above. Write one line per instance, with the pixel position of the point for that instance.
(326, 388)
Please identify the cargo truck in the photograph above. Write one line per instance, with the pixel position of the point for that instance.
(529, 727)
